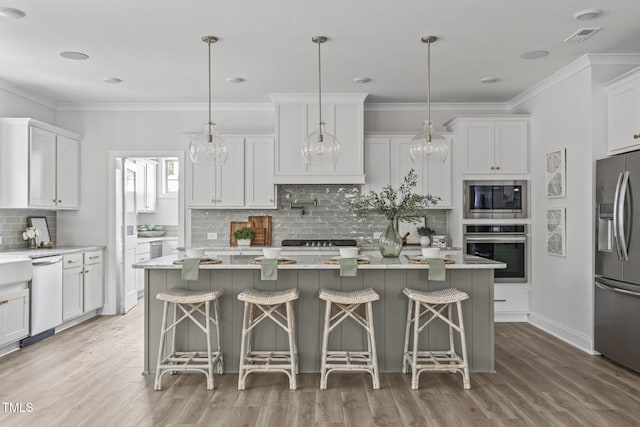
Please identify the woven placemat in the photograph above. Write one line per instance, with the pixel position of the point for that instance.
(425, 261)
(337, 261)
(203, 261)
(280, 261)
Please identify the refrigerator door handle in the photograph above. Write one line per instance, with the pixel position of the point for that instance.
(616, 209)
(621, 291)
(622, 201)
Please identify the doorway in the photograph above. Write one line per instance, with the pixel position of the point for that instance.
(148, 211)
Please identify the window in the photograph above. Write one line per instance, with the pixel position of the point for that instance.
(170, 183)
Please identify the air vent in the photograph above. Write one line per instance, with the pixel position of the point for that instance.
(581, 35)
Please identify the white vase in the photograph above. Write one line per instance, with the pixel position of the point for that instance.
(425, 240)
(244, 242)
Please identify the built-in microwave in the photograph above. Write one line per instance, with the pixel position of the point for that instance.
(495, 199)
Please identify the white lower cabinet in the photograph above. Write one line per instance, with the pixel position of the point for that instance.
(14, 315)
(510, 298)
(82, 283)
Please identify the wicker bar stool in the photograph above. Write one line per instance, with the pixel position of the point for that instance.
(268, 361)
(434, 303)
(190, 303)
(347, 304)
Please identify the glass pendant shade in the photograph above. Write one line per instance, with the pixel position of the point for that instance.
(208, 147)
(428, 143)
(320, 147)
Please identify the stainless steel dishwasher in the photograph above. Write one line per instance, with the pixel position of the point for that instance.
(46, 298)
(156, 249)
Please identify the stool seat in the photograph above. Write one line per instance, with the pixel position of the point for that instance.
(444, 296)
(256, 296)
(185, 296)
(349, 297)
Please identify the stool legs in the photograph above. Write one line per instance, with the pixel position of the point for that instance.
(434, 361)
(366, 361)
(196, 361)
(268, 361)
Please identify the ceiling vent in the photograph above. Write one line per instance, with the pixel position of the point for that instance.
(581, 35)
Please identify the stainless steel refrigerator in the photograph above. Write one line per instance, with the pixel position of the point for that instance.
(617, 259)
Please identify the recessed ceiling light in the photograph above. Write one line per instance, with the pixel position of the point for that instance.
(74, 55)
(489, 80)
(361, 79)
(7, 12)
(113, 80)
(586, 14)
(234, 79)
(535, 54)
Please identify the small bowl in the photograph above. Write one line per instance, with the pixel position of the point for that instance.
(271, 253)
(431, 253)
(46, 245)
(195, 252)
(348, 252)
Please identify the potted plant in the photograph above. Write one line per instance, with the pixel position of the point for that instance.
(425, 234)
(243, 236)
(395, 204)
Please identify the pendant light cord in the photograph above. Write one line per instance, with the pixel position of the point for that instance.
(209, 123)
(429, 86)
(319, 91)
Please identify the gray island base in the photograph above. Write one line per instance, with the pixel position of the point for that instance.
(386, 276)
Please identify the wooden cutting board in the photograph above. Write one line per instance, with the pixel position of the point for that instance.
(235, 225)
(262, 222)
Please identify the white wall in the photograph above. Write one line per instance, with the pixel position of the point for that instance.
(569, 115)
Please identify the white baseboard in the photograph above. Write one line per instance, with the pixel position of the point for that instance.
(77, 320)
(510, 317)
(558, 330)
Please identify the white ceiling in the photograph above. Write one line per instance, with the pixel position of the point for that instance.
(155, 47)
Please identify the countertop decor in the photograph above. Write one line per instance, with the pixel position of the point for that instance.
(400, 204)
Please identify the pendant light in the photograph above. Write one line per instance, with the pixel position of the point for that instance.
(209, 147)
(427, 142)
(320, 146)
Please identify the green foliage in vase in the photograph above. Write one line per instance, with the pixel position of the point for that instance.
(243, 234)
(395, 203)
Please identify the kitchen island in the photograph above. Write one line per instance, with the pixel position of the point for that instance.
(387, 276)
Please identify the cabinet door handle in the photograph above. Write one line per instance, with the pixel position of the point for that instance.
(59, 201)
(497, 167)
(270, 200)
(636, 136)
(499, 300)
(71, 261)
(94, 257)
(3, 302)
(54, 200)
(492, 167)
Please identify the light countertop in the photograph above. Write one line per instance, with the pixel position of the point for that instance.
(316, 262)
(58, 250)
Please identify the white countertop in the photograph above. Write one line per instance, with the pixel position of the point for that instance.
(156, 239)
(315, 262)
(285, 249)
(58, 250)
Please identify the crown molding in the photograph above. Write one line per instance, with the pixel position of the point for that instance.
(437, 106)
(25, 93)
(575, 67)
(312, 97)
(164, 106)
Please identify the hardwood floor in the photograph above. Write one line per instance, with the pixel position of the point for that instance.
(90, 376)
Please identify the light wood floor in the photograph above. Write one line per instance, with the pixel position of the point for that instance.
(90, 375)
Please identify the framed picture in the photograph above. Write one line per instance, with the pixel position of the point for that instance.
(40, 222)
(556, 174)
(556, 232)
(405, 227)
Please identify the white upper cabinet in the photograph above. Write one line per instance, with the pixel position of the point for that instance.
(260, 192)
(244, 181)
(146, 185)
(493, 144)
(296, 117)
(39, 165)
(623, 112)
(387, 161)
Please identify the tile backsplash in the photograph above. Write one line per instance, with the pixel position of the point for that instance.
(329, 219)
(14, 221)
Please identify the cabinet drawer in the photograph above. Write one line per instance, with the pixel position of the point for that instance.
(92, 257)
(511, 299)
(72, 260)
